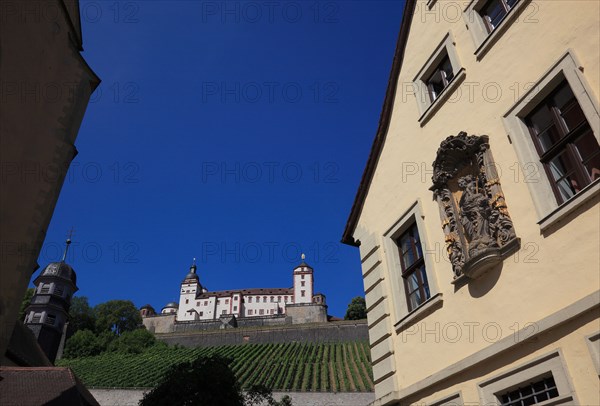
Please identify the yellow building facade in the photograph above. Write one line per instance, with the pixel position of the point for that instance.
(482, 271)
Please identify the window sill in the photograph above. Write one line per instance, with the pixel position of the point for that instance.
(428, 307)
(437, 103)
(495, 35)
(588, 193)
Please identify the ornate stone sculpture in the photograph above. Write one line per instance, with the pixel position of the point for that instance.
(475, 220)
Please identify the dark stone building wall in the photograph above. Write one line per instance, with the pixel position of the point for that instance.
(46, 86)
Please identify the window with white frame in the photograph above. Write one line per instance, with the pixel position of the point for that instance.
(554, 128)
(438, 78)
(493, 12)
(411, 265)
(536, 382)
(565, 142)
(488, 19)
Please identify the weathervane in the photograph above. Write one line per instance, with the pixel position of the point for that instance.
(68, 242)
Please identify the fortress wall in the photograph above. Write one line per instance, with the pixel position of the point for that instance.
(326, 332)
(202, 325)
(159, 324)
(307, 313)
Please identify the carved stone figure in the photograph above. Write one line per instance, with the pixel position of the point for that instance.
(475, 215)
(478, 228)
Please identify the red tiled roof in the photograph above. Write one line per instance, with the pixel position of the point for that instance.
(50, 386)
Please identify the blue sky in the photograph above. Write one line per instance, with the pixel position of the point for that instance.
(232, 132)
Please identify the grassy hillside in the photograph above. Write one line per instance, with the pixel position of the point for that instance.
(322, 367)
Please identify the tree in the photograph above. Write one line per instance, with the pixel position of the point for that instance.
(357, 309)
(133, 342)
(117, 316)
(207, 381)
(83, 343)
(261, 395)
(26, 301)
(105, 338)
(81, 316)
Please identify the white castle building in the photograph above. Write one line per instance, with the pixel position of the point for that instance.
(298, 303)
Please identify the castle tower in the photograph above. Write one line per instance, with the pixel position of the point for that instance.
(147, 311)
(49, 308)
(303, 282)
(190, 288)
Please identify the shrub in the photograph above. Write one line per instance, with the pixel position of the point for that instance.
(132, 342)
(82, 344)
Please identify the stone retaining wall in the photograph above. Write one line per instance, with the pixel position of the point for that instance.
(341, 331)
(131, 397)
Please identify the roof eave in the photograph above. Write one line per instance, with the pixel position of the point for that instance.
(384, 122)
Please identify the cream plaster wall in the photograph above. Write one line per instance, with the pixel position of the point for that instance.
(552, 269)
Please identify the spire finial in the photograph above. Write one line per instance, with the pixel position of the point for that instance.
(68, 242)
(193, 267)
(303, 256)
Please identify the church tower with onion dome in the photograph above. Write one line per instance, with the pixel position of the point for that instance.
(190, 288)
(49, 308)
